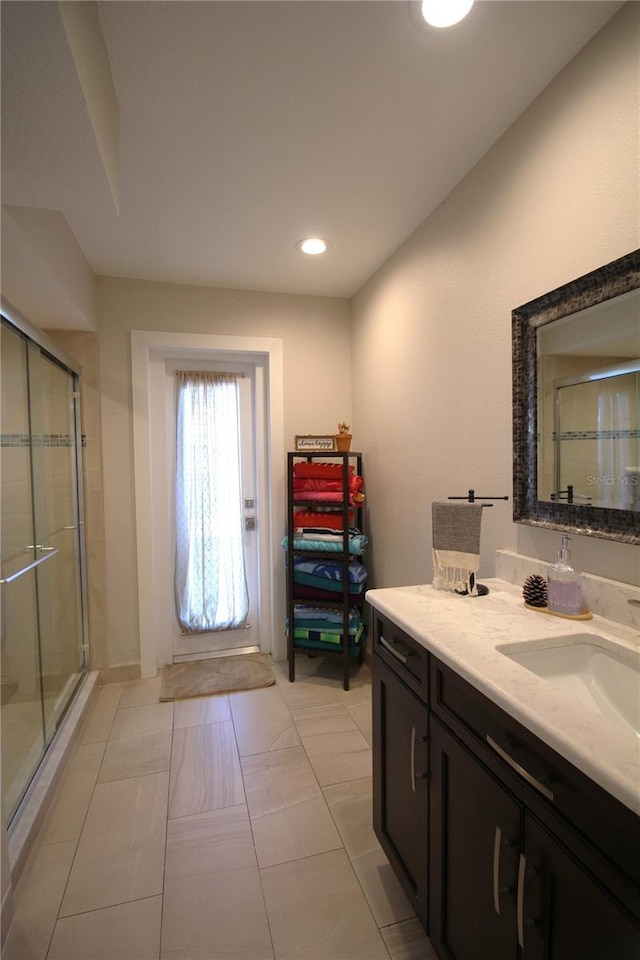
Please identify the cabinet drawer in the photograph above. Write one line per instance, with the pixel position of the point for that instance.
(406, 657)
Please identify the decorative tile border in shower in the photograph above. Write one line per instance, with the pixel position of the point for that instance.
(598, 435)
(39, 440)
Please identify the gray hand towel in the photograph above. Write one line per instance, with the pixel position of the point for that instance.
(456, 545)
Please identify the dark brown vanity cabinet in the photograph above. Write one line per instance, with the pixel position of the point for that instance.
(566, 911)
(400, 768)
(475, 839)
(507, 851)
(502, 886)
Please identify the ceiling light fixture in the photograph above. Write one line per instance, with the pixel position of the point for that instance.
(444, 13)
(312, 246)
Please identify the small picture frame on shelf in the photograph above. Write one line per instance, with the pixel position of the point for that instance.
(307, 442)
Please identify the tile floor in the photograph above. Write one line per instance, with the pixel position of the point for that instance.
(218, 828)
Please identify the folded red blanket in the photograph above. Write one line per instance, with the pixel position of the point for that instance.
(331, 521)
(319, 484)
(328, 471)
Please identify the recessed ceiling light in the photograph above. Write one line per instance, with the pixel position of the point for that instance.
(444, 13)
(312, 246)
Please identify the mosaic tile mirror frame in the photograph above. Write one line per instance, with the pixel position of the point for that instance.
(614, 280)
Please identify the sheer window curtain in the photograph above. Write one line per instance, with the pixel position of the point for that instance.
(614, 452)
(210, 581)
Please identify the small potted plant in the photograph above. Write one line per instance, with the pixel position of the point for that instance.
(343, 437)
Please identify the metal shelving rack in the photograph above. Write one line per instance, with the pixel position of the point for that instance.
(345, 649)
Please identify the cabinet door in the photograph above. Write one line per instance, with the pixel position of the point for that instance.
(400, 758)
(563, 912)
(475, 840)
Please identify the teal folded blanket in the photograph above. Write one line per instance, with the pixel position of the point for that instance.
(356, 544)
(331, 623)
(327, 636)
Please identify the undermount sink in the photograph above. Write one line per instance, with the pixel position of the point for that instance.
(586, 668)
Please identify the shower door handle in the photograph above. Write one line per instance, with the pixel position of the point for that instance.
(30, 566)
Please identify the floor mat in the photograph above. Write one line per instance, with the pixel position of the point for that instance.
(201, 678)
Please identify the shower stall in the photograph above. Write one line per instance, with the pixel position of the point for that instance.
(42, 581)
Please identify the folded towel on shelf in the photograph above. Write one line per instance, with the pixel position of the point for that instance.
(328, 576)
(321, 518)
(327, 496)
(328, 611)
(320, 471)
(356, 544)
(327, 636)
(310, 592)
(324, 533)
(456, 545)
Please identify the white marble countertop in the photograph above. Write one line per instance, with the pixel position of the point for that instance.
(464, 633)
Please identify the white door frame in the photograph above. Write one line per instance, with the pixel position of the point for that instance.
(270, 491)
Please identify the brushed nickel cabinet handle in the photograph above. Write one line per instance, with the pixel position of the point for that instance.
(522, 867)
(416, 776)
(519, 769)
(392, 650)
(497, 843)
(413, 759)
(524, 873)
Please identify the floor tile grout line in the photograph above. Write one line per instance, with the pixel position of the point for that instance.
(96, 783)
(321, 794)
(166, 834)
(342, 843)
(108, 906)
(84, 821)
(344, 847)
(349, 857)
(253, 839)
(117, 707)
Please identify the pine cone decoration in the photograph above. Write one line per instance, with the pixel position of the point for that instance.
(534, 591)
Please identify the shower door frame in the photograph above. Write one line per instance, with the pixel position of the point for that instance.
(59, 356)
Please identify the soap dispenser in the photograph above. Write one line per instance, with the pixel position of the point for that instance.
(564, 591)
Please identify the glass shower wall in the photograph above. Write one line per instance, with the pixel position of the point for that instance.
(41, 597)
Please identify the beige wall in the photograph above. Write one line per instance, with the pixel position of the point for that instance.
(45, 274)
(317, 394)
(555, 198)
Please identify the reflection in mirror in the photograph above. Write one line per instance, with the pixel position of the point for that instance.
(589, 406)
(576, 405)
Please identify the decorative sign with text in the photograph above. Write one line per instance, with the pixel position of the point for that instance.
(306, 442)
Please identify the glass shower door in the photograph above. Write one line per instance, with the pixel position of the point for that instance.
(21, 697)
(54, 451)
(41, 614)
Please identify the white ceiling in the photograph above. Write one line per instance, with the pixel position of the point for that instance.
(245, 126)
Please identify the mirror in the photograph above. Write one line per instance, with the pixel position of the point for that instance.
(576, 405)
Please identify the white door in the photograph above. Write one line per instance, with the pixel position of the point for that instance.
(247, 638)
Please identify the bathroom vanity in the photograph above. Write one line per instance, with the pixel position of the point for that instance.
(508, 804)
